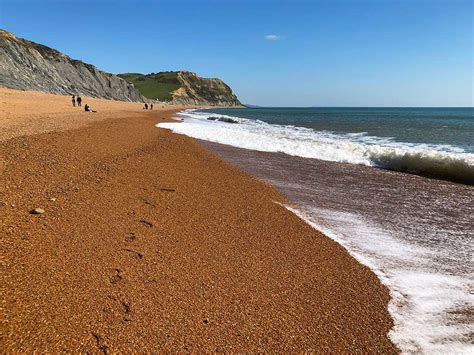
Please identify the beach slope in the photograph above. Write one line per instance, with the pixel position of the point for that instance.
(149, 242)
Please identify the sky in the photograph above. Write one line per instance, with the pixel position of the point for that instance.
(272, 53)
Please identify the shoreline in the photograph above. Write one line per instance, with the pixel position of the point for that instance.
(425, 160)
(154, 243)
(376, 221)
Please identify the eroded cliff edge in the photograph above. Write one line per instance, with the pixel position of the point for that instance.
(184, 87)
(203, 91)
(27, 65)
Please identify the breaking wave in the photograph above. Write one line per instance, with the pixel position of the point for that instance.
(436, 161)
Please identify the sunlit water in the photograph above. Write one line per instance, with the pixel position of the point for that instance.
(415, 233)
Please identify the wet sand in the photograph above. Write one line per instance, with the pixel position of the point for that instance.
(149, 242)
(415, 232)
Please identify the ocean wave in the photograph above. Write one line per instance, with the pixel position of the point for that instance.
(432, 164)
(435, 161)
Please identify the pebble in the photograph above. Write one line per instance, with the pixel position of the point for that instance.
(37, 211)
(52, 199)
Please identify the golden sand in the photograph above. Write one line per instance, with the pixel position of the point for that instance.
(149, 242)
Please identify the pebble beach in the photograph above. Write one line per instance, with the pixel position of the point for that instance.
(146, 241)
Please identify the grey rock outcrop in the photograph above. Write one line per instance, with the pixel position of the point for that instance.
(27, 65)
(222, 119)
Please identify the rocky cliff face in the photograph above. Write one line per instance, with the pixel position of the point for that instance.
(183, 87)
(195, 90)
(27, 65)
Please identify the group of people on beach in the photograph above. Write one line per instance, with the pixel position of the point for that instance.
(78, 99)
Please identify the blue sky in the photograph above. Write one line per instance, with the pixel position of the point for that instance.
(273, 53)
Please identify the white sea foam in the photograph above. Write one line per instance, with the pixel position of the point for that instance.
(426, 304)
(422, 302)
(443, 161)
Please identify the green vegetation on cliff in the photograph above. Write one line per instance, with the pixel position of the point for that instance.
(155, 85)
(184, 88)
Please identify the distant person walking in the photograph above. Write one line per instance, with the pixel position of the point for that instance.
(146, 106)
(73, 101)
(79, 101)
(151, 106)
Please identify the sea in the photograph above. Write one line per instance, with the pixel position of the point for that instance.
(394, 186)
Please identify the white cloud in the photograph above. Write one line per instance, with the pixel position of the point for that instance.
(272, 37)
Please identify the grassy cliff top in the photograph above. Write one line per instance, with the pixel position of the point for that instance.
(155, 85)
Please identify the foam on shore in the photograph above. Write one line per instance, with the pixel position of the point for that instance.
(437, 161)
(430, 305)
(421, 301)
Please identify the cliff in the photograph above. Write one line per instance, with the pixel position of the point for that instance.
(184, 87)
(203, 91)
(27, 65)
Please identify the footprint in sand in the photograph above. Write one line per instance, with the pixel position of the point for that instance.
(100, 343)
(135, 253)
(116, 277)
(167, 189)
(149, 201)
(127, 310)
(130, 237)
(119, 308)
(146, 223)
